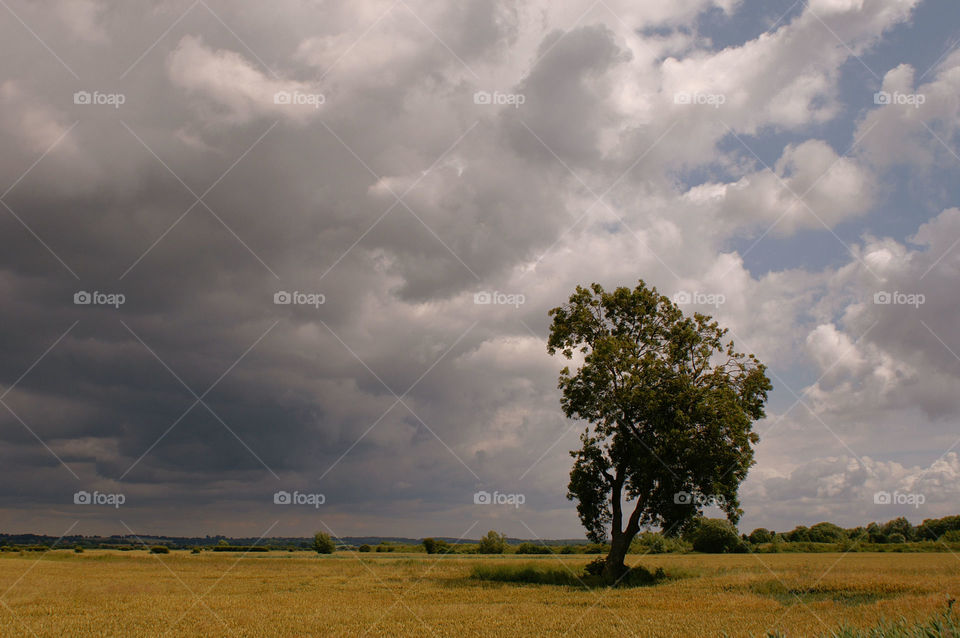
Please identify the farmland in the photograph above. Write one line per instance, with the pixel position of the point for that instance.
(272, 594)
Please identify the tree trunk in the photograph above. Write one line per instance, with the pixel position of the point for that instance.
(615, 568)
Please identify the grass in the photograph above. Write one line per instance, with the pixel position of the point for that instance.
(279, 594)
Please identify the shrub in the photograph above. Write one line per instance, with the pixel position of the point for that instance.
(364, 548)
(532, 548)
(566, 549)
(195, 550)
(492, 543)
(159, 549)
(323, 544)
(896, 537)
(716, 536)
(434, 546)
(595, 567)
(78, 550)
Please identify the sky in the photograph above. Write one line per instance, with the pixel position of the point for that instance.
(269, 269)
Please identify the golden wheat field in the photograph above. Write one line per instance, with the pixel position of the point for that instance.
(111, 593)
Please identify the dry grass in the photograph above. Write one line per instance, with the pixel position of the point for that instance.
(105, 593)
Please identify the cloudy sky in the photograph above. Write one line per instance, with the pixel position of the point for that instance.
(172, 170)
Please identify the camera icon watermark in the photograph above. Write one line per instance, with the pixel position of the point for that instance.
(497, 298)
(496, 98)
(685, 98)
(701, 500)
(96, 98)
(685, 297)
(885, 98)
(496, 498)
(898, 498)
(283, 497)
(84, 497)
(897, 298)
(296, 98)
(297, 298)
(97, 298)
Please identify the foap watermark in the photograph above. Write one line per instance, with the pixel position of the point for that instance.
(899, 498)
(497, 298)
(685, 297)
(702, 500)
(97, 298)
(497, 498)
(297, 298)
(299, 498)
(716, 100)
(497, 98)
(884, 98)
(84, 497)
(96, 98)
(297, 98)
(897, 298)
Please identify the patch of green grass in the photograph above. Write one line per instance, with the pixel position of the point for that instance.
(793, 595)
(943, 625)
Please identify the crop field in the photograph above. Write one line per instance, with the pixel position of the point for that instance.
(104, 592)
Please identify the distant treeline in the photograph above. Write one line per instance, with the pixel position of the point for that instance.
(712, 535)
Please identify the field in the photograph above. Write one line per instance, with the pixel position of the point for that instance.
(111, 593)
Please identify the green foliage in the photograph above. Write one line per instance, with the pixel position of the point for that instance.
(942, 625)
(951, 536)
(899, 526)
(760, 535)
(492, 543)
(364, 548)
(656, 543)
(78, 549)
(159, 549)
(670, 406)
(532, 548)
(826, 533)
(323, 544)
(716, 536)
(896, 537)
(434, 546)
(239, 548)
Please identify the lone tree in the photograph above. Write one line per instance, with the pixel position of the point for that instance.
(670, 411)
(323, 544)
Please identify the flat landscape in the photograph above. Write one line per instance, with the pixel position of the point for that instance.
(105, 592)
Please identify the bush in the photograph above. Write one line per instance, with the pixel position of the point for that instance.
(78, 550)
(716, 536)
(492, 543)
(239, 548)
(159, 549)
(364, 548)
(595, 567)
(195, 550)
(323, 544)
(434, 546)
(531, 548)
(896, 537)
